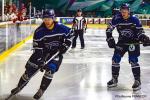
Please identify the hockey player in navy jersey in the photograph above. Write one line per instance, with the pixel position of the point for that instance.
(131, 34)
(51, 40)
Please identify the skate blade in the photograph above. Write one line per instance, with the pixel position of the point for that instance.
(111, 86)
(137, 89)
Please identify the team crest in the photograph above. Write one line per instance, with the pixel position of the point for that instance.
(131, 47)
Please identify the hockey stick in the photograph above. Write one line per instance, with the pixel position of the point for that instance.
(52, 57)
(21, 87)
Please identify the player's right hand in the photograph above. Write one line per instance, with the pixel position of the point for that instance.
(111, 42)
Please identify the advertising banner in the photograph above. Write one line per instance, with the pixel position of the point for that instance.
(90, 20)
(66, 20)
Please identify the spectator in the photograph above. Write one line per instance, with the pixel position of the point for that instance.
(13, 14)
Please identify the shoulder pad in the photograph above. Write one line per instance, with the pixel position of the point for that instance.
(117, 16)
(38, 30)
(134, 17)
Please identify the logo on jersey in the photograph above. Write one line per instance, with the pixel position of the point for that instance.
(127, 33)
(52, 45)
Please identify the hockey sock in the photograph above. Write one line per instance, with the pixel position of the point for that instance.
(115, 70)
(136, 71)
(45, 83)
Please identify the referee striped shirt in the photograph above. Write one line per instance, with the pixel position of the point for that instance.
(79, 23)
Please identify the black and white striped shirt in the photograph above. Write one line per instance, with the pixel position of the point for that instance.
(79, 23)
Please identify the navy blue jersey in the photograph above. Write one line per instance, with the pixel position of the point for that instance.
(46, 40)
(129, 29)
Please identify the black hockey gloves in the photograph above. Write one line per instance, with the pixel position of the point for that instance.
(65, 46)
(145, 39)
(111, 42)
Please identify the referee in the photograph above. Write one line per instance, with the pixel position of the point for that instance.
(79, 26)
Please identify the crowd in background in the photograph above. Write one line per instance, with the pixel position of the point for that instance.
(14, 13)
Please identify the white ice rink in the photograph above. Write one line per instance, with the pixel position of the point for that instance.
(83, 74)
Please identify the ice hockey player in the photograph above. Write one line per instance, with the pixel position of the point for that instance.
(50, 42)
(79, 26)
(131, 34)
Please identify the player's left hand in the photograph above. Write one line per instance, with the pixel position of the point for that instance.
(65, 46)
(144, 38)
(146, 43)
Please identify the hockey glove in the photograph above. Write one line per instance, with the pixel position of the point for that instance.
(111, 42)
(65, 46)
(41, 64)
(145, 39)
(146, 43)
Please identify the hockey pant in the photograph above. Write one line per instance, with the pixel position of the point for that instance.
(133, 54)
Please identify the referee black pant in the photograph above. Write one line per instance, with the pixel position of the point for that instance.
(79, 33)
